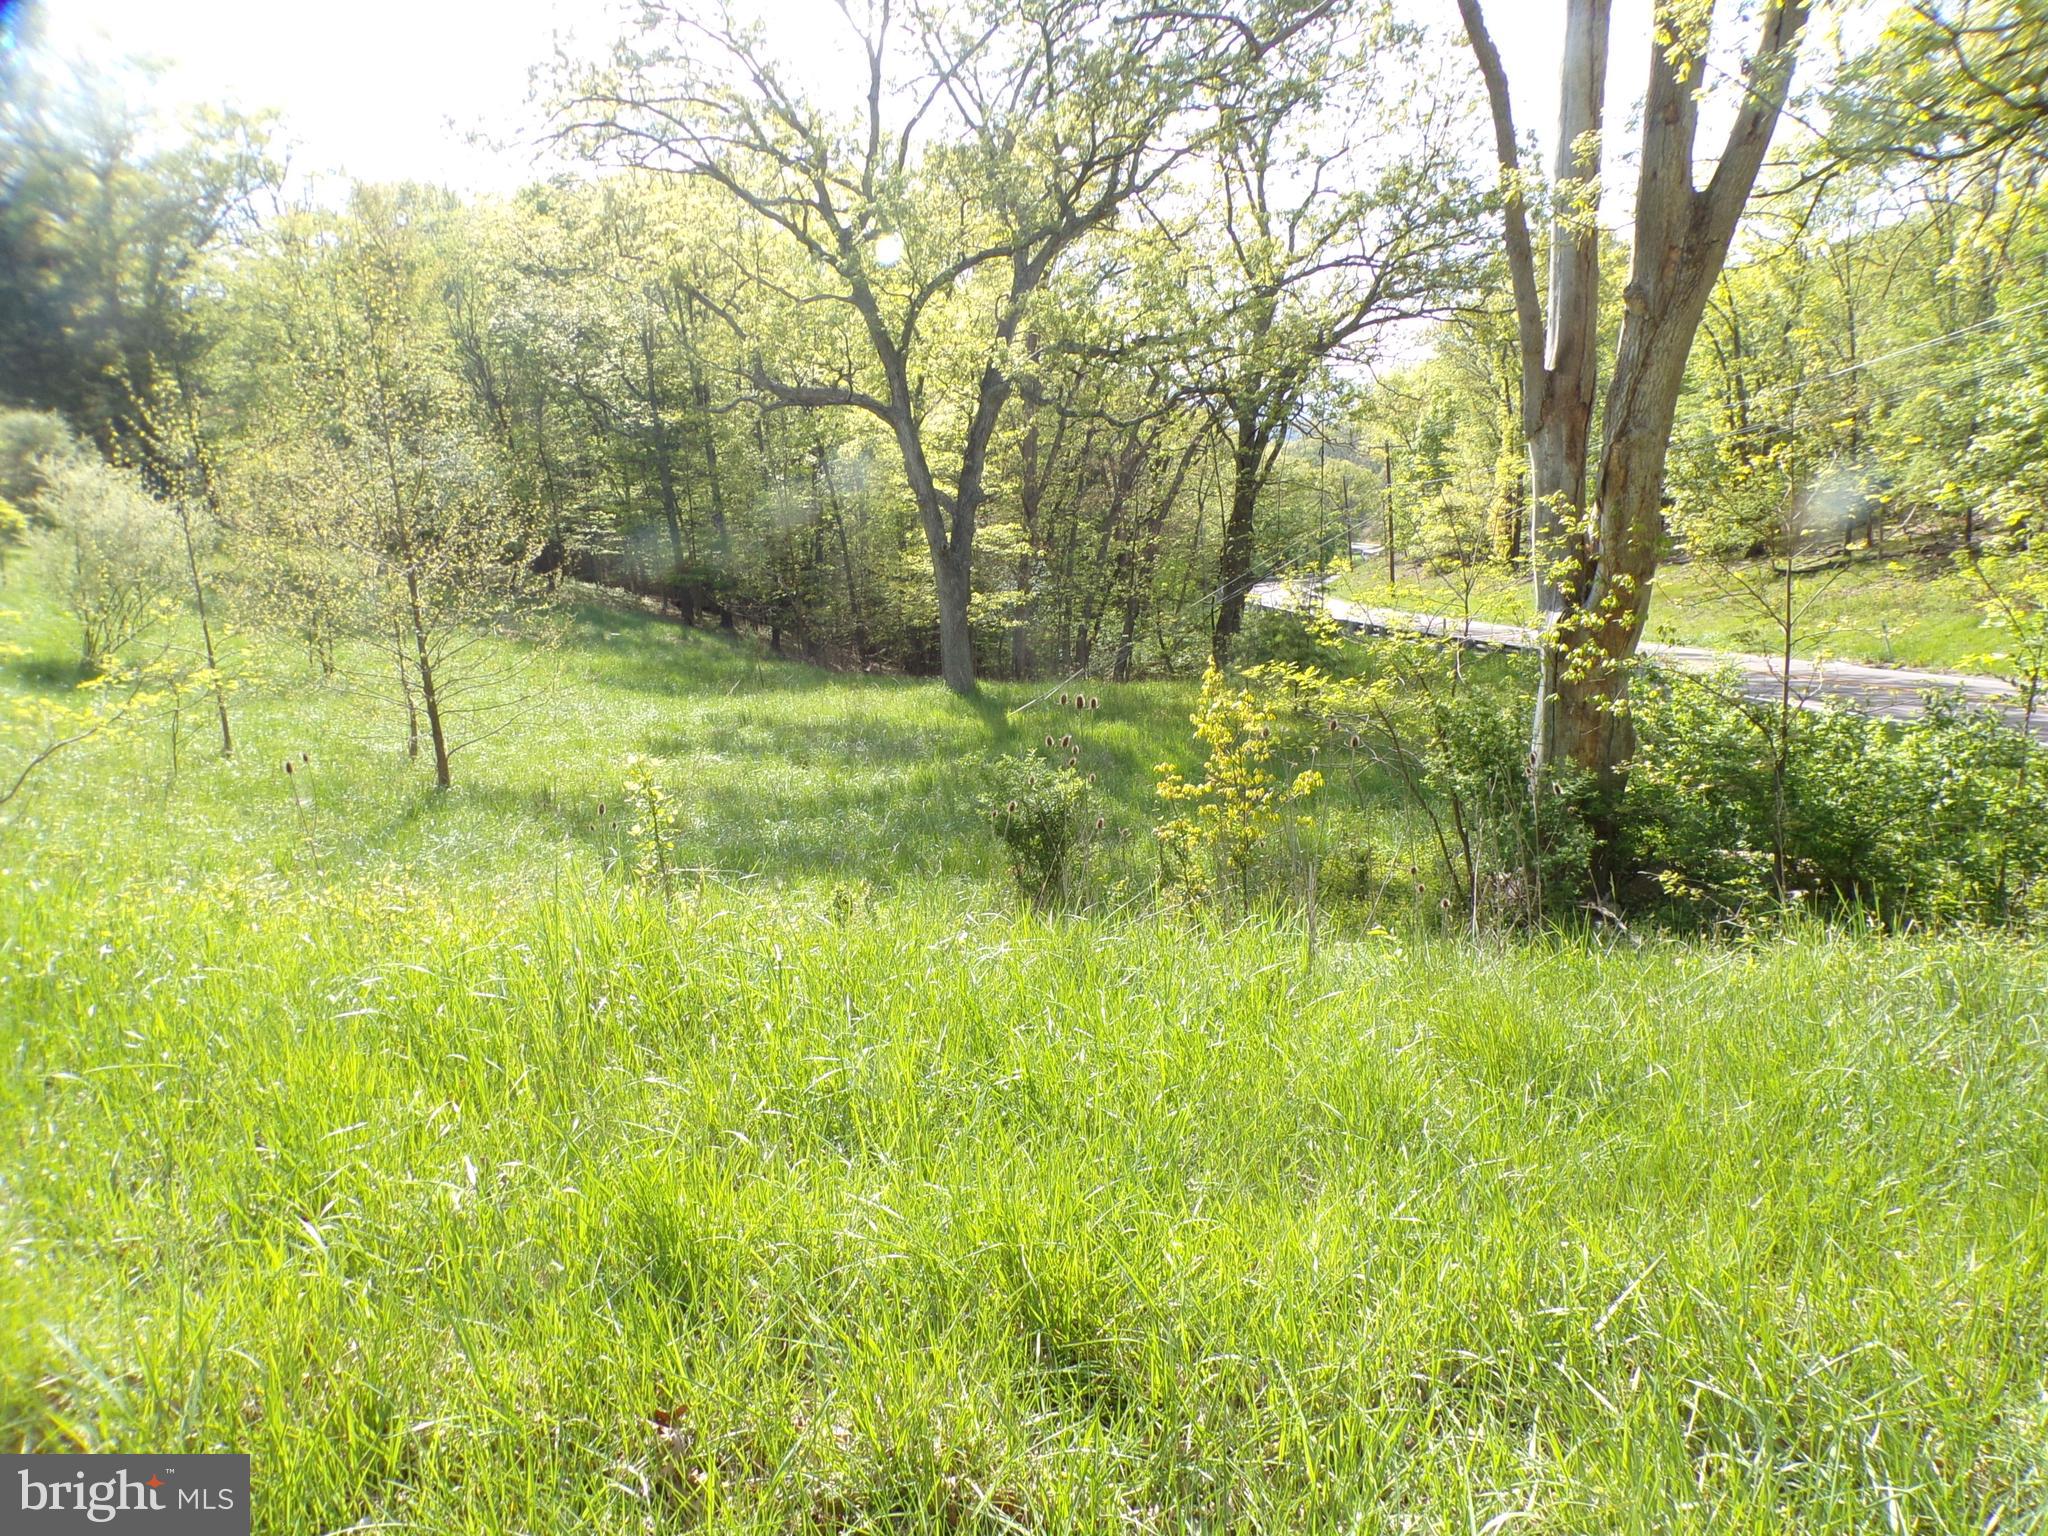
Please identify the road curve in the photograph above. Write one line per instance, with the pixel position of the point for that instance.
(1896, 692)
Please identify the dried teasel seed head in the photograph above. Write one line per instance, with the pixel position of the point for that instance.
(1098, 823)
(1048, 739)
(1333, 725)
(1354, 741)
(287, 765)
(1011, 808)
(306, 758)
(1067, 740)
(1063, 701)
(600, 810)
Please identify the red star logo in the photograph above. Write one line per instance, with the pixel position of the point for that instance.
(156, 1482)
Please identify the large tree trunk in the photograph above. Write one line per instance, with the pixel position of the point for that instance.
(956, 639)
(1682, 237)
(1595, 581)
(1559, 417)
(1249, 459)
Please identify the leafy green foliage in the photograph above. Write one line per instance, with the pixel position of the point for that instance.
(32, 443)
(1230, 814)
(1042, 809)
(114, 553)
(650, 815)
(1935, 819)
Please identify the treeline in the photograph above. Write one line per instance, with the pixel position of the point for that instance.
(1028, 347)
(1862, 385)
(1040, 372)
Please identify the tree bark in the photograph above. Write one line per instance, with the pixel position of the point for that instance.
(1593, 574)
(956, 639)
(1681, 242)
(1250, 458)
(429, 698)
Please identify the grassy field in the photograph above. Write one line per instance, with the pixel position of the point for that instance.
(398, 1140)
(1893, 613)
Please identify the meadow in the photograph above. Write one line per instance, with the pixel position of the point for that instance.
(399, 1139)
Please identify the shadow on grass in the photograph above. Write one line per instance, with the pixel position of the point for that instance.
(44, 672)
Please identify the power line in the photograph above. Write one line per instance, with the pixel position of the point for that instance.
(2006, 318)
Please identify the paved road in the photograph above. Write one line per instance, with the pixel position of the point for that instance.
(1893, 691)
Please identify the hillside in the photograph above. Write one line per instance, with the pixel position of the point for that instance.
(400, 1139)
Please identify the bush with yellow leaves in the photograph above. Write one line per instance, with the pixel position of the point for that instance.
(1228, 815)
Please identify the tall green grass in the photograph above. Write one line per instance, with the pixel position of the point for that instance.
(405, 1145)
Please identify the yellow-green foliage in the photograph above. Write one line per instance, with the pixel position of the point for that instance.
(653, 825)
(1239, 801)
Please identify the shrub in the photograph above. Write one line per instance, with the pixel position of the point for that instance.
(13, 529)
(32, 444)
(114, 553)
(652, 828)
(1238, 803)
(1938, 819)
(1454, 738)
(1042, 810)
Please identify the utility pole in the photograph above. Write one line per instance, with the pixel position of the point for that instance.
(1322, 506)
(1388, 450)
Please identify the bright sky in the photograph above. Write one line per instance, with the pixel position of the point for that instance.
(390, 89)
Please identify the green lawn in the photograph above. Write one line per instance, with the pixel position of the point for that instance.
(402, 1143)
(1895, 613)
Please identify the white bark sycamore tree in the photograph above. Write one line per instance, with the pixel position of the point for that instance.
(1594, 562)
(910, 231)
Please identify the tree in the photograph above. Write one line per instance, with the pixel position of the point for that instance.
(1961, 82)
(107, 216)
(1594, 564)
(990, 140)
(1339, 208)
(113, 555)
(370, 458)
